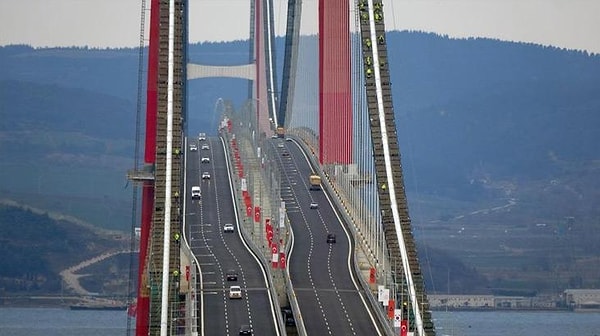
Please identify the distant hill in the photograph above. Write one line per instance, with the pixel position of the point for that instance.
(498, 139)
(36, 247)
(67, 150)
(479, 106)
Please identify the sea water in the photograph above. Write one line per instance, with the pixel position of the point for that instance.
(516, 323)
(61, 322)
(65, 322)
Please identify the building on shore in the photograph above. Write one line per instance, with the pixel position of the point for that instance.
(582, 299)
(461, 302)
(494, 302)
(573, 299)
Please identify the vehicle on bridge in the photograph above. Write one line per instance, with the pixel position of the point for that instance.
(331, 238)
(206, 176)
(280, 132)
(205, 160)
(235, 292)
(193, 147)
(228, 228)
(196, 193)
(315, 182)
(245, 330)
(202, 136)
(314, 205)
(288, 316)
(205, 147)
(231, 275)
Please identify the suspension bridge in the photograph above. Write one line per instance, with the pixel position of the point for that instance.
(307, 175)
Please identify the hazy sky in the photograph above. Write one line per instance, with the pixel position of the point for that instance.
(573, 24)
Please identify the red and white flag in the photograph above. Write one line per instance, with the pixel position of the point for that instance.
(281, 259)
(132, 310)
(390, 309)
(257, 214)
(372, 275)
(404, 328)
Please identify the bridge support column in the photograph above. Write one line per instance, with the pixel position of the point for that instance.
(335, 102)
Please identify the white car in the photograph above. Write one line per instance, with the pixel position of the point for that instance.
(196, 193)
(193, 147)
(314, 205)
(228, 228)
(205, 146)
(235, 292)
(205, 160)
(206, 176)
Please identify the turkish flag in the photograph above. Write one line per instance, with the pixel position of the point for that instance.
(268, 226)
(372, 275)
(257, 214)
(281, 259)
(390, 309)
(404, 328)
(132, 310)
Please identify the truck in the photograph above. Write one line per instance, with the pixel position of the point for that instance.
(280, 132)
(315, 181)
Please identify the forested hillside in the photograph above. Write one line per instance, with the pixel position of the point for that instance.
(36, 247)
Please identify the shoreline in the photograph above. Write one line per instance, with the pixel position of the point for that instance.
(494, 309)
(50, 301)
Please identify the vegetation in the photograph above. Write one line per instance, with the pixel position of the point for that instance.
(36, 247)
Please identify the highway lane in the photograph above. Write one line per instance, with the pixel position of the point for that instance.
(218, 251)
(329, 298)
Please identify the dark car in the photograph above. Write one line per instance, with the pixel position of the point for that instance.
(245, 330)
(330, 238)
(231, 275)
(288, 317)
